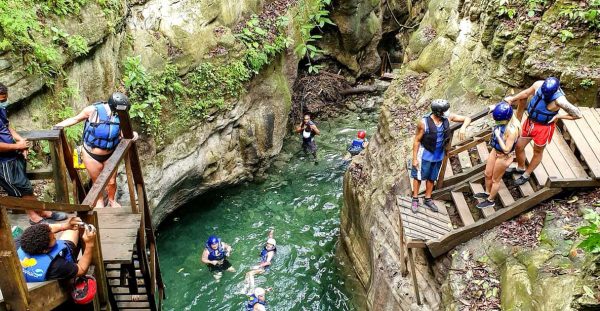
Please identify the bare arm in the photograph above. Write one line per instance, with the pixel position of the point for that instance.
(573, 113)
(20, 145)
(83, 115)
(511, 137)
(204, 257)
(84, 262)
(268, 261)
(417, 142)
(466, 121)
(524, 94)
(299, 128)
(15, 135)
(315, 129)
(271, 233)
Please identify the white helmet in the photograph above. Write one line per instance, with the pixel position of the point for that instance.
(259, 291)
(271, 241)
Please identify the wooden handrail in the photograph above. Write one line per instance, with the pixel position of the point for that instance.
(22, 204)
(51, 135)
(476, 141)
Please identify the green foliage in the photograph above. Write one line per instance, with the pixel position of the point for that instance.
(259, 49)
(62, 7)
(587, 83)
(505, 9)
(591, 232)
(588, 13)
(565, 35)
(312, 15)
(534, 6)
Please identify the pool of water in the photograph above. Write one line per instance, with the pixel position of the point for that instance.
(301, 201)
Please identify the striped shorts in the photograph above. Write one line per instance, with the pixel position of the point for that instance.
(13, 177)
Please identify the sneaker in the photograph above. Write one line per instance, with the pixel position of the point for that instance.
(486, 203)
(481, 195)
(521, 180)
(429, 203)
(415, 205)
(43, 221)
(515, 170)
(57, 216)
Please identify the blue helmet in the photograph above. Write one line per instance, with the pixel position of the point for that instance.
(550, 86)
(502, 112)
(213, 239)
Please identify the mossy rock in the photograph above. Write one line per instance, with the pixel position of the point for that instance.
(435, 55)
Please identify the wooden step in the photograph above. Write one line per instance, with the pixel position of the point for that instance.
(484, 153)
(525, 189)
(462, 207)
(133, 305)
(125, 290)
(115, 274)
(128, 297)
(476, 188)
(465, 160)
(505, 196)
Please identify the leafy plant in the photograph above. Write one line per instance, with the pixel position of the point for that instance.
(591, 232)
(311, 17)
(534, 6)
(587, 83)
(587, 13)
(565, 35)
(505, 9)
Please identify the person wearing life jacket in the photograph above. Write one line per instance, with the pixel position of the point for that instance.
(503, 142)
(266, 256)
(547, 98)
(101, 135)
(13, 165)
(309, 130)
(358, 144)
(429, 147)
(257, 300)
(215, 256)
(43, 257)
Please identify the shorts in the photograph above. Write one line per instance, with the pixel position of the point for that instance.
(309, 146)
(541, 134)
(13, 177)
(219, 268)
(429, 171)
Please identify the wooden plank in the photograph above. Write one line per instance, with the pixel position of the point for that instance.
(593, 123)
(460, 235)
(585, 149)
(414, 275)
(465, 160)
(40, 135)
(110, 168)
(462, 208)
(49, 296)
(133, 304)
(117, 253)
(40, 174)
(505, 197)
(474, 142)
(444, 193)
(549, 165)
(458, 178)
(477, 187)
(483, 151)
(115, 235)
(78, 189)
(539, 173)
(60, 178)
(569, 156)
(587, 182)
(22, 204)
(130, 184)
(422, 217)
(427, 227)
(448, 170)
(125, 290)
(12, 281)
(559, 160)
(416, 244)
(122, 222)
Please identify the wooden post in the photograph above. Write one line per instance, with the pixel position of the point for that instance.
(130, 184)
(414, 275)
(78, 188)
(100, 271)
(403, 269)
(12, 282)
(58, 169)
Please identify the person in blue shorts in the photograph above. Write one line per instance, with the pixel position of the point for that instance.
(429, 147)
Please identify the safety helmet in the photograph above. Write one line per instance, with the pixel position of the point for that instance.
(271, 241)
(439, 106)
(213, 239)
(118, 101)
(550, 86)
(503, 111)
(361, 134)
(259, 291)
(84, 289)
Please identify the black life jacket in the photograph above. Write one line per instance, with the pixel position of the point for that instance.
(429, 140)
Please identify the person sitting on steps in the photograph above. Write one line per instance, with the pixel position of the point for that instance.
(13, 155)
(429, 147)
(503, 141)
(542, 114)
(43, 257)
(101, 135)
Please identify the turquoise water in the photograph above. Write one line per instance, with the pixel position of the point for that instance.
(301, 201)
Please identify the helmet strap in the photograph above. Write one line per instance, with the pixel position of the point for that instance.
(502, 122)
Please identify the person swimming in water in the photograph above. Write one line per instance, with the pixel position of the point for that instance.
(215, 256)
(257, 300)
(266, 256)
(309, 130)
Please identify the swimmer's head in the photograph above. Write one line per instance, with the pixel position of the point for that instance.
(271, 243)
(213, 241)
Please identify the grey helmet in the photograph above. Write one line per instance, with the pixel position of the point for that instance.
(439, 106)
(118, 101)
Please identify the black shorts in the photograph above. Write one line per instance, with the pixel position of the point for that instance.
(218, 268)
(13, 177)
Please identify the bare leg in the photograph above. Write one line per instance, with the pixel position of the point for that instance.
(520, 151)
(489, 170)
(416, 186)
(111, 188)
(428, 188)
(502, 162)
(538, 152)
(35, 216)
(94, 168)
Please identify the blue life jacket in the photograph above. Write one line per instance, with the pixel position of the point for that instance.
(215, 254)
(39, 268)
(494, 142)
(356, 147)
(265, 252)
(538, 107)
(105, 132)
(253, 300)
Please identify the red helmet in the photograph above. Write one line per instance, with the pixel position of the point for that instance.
(362, 134)
(84, 289)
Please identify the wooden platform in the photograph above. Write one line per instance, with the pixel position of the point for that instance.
(571, 160)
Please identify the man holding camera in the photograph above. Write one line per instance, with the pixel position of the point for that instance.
(44, 257)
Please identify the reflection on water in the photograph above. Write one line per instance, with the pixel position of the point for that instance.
(301, 201)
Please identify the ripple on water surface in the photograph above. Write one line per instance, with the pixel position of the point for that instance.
(301, 201)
